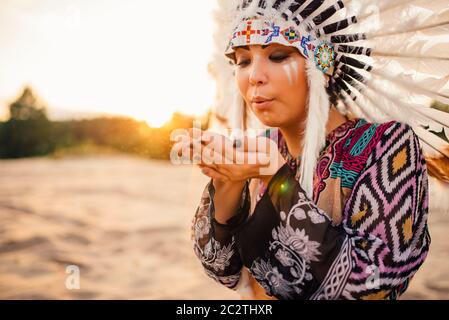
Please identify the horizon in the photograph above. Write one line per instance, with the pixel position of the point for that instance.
(61, 114)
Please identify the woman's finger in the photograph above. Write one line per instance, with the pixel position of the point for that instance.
(209, 156)
(219, 143)
(191, 149)
(258, 144)
(214, 174)
(212, 166)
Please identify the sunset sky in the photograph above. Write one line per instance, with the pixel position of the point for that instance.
(140, 58)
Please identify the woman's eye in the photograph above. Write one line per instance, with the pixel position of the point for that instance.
(243, 63)
(279, 57)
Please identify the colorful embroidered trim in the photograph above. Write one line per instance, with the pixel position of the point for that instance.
(263, 32)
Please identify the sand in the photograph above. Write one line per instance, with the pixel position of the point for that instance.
(125, 223)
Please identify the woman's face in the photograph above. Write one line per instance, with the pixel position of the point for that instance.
(272, 81)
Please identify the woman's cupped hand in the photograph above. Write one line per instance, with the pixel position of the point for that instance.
(225, 160)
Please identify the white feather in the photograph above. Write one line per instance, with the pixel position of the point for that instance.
(317, 116)
(419, 113)
(354, 108)
(431, 88)
(410, 59)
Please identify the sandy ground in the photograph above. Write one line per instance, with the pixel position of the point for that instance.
(125, 222)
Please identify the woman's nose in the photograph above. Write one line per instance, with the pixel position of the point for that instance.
(257, 74)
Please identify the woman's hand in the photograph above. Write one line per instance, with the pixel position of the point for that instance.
(220, 160)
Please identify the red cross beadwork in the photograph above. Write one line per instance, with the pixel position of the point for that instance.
(248, 32)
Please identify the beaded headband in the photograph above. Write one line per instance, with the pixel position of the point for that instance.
(265, 32)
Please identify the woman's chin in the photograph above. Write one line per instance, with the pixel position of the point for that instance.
(269, 120)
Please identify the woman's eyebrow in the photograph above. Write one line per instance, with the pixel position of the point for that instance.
(264, 46)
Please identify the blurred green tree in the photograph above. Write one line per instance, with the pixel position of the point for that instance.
(28, 131)
(27, 107)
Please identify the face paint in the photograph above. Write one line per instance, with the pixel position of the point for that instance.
(294, 65)
(291, 69)
(288, 71)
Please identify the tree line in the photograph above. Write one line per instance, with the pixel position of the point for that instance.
(29, 132)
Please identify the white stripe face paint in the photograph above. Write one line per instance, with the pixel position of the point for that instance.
(291, 70)
(294, 65)
(288, 71)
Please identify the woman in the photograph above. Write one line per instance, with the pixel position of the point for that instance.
(343, 215)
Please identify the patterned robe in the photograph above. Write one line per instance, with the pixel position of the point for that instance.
(362, 236)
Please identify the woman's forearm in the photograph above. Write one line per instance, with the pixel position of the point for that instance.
(227, 199)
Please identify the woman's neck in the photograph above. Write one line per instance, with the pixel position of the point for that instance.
(294, 134)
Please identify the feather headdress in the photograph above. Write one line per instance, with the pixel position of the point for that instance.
(386, 60)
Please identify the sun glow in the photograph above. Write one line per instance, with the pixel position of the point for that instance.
(145, 59)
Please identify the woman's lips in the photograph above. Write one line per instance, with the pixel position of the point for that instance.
(262, 104)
